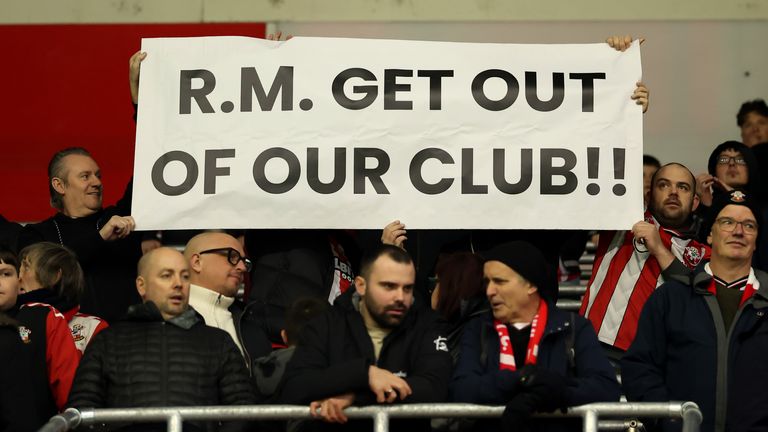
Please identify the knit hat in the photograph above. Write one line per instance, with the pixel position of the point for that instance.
(734, 197)
(528, 261)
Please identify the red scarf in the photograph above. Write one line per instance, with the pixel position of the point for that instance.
(507, 355)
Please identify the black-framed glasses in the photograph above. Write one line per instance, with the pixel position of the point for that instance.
(233, 256)
(729, 224)
(726, 160)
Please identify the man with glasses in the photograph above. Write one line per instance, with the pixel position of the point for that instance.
(629, 265)
(707, 340)
(732, 165)
(218, 265)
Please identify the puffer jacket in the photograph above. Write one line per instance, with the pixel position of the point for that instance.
(144, 361)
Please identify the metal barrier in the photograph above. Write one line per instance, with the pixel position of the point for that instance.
(687, 411)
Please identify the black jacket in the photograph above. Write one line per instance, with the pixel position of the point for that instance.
(26, 402)
(336, 352)
(684, 352)
(109, 266)
(145, 361)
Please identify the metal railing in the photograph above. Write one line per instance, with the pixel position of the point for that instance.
(71, 418)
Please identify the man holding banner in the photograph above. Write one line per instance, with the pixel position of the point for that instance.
(629, 265)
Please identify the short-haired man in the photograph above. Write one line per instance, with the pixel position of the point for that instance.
(628, 264)
(752, 119)
(373, 346)
(707, 340)
(753, 122)
(526, 353)
(101, 238)
(217, 265)
(162, 354)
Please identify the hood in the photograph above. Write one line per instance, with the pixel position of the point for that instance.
(753, 185)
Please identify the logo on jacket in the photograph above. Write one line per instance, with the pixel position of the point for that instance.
(77, 332)
(440, 344)
(692, 256)
(24, 334)
(738, 196)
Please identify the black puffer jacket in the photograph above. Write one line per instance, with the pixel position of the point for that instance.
(145, 361)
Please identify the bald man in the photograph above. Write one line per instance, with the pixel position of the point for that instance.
(218, 265)
(161, 354)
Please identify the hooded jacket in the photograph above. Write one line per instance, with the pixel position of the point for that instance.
(684, 352)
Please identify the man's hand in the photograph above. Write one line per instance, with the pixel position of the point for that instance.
(331, 410)
(134, 68)
(394, 234)
(648, 234)
(278, 36)
(704, 188)
(149, 245)
(117, 227)
(386, 385)
(641, 95)
(704, 185)
(621, 43)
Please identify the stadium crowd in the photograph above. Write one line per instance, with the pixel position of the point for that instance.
(95, 314)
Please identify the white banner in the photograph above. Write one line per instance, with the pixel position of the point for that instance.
(237, 132)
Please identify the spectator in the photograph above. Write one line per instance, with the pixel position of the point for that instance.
(527, 353)
(50, 274)
(268, 371)
(293, 264)
(705, 340)
(731, 165)
(459, 294)
(372, 347)
(162, 354)
(752, 119)
(23, 394)
(218, 265)
(47, 355)
(101, 238)
(628, 264)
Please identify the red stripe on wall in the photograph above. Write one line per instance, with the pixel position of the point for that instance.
(67, 85)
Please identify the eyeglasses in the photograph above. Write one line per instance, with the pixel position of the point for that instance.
(233, 256)
(729, 224)
(726, 160)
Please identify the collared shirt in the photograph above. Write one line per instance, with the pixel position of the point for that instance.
(214, 308)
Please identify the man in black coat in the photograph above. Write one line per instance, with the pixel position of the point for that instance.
(162, 354)
(705, 339)
(372, 346)
(102, 238)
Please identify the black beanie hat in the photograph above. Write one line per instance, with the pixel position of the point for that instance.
(526, 260)
(734, 197)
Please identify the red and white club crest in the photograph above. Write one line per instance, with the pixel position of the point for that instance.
(24, 334)
(693, 256)
(738, 196)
